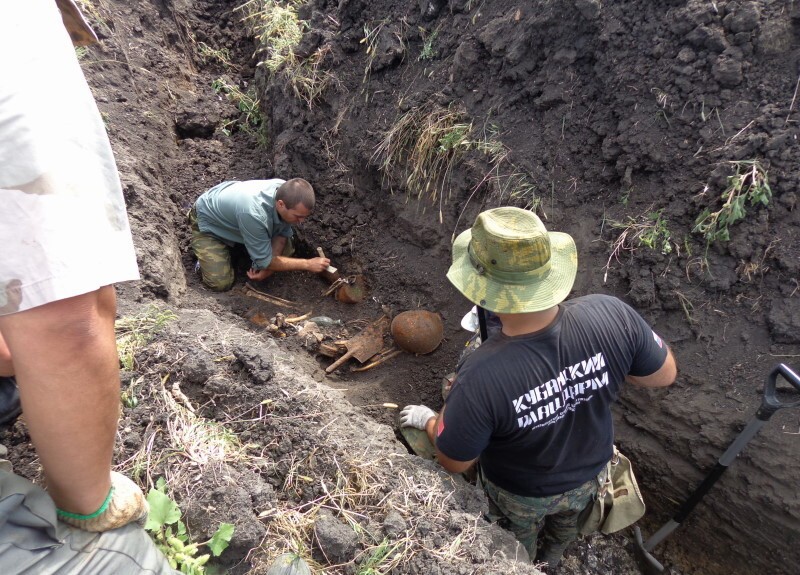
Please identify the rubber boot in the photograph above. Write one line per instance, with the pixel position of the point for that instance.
(10, 406)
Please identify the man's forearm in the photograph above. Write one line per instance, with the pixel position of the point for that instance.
(430, 428)
(286, 264)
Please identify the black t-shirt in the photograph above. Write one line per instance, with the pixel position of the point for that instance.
(536, 408)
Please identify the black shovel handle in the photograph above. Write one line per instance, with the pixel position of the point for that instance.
(770, 403)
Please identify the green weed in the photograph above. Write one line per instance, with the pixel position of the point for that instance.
(749, 185)
(81, 52)
(428, 51)
(221, 55)
(250, 120)
(170, 535)
(380, 559)
(655, 235)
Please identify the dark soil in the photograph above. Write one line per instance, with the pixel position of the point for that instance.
(611, 111)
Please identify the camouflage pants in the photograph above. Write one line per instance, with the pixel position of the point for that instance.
(214, 257)
(554, 517)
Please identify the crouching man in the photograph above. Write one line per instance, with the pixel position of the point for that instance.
(258, 214)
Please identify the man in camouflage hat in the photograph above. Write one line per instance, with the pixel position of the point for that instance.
(532, 404)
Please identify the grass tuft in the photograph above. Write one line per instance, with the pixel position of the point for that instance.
(424, 146)
(134, 332)
(278, 31)
(647, 230)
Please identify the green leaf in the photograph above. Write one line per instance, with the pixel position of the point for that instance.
(219, 541)
(163, 510)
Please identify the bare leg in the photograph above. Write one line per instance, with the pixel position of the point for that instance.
(67, 370)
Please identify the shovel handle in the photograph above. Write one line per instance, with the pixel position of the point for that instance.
(770, 403)
(340, 361)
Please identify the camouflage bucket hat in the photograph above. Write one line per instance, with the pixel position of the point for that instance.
(509, 263)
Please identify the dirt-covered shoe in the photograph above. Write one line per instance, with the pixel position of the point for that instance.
(10, 406)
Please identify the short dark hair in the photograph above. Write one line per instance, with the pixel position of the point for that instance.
(296, 191)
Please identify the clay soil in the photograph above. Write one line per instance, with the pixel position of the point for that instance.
(606, 114)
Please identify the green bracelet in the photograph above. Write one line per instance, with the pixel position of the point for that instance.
(103, 507)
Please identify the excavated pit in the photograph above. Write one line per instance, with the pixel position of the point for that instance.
(610, 112)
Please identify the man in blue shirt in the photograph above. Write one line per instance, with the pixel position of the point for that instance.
(532, 404)
(258, 214)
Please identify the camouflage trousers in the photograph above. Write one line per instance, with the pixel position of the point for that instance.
(214, 256)
(543, 525)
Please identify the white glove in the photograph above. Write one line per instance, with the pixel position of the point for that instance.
(127, 505)
(416, 416)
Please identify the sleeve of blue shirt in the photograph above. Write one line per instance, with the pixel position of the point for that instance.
(257, 240)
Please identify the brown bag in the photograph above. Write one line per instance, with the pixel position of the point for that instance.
(618, 502)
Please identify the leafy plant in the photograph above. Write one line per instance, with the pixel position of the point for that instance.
(655, 235)
(170, 535)
(246, 102)
(427, 44)
(749, 185)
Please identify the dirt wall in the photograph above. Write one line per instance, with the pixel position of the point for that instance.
(607, 111)
(612, 111)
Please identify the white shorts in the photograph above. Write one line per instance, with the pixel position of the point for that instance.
(63, 226)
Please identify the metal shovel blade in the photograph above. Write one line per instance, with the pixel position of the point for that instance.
(364, 345)
(647, 563)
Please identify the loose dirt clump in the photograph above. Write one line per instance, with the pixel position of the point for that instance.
(620, 123)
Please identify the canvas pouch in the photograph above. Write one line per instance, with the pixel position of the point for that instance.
(618, 503)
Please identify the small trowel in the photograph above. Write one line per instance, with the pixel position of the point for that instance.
(331, 274)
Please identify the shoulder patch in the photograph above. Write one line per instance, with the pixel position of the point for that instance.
(658, 340)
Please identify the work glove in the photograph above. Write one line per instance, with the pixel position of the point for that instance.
(127, 504)
(416, 416)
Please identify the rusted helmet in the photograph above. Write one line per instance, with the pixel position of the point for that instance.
(417, 331)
